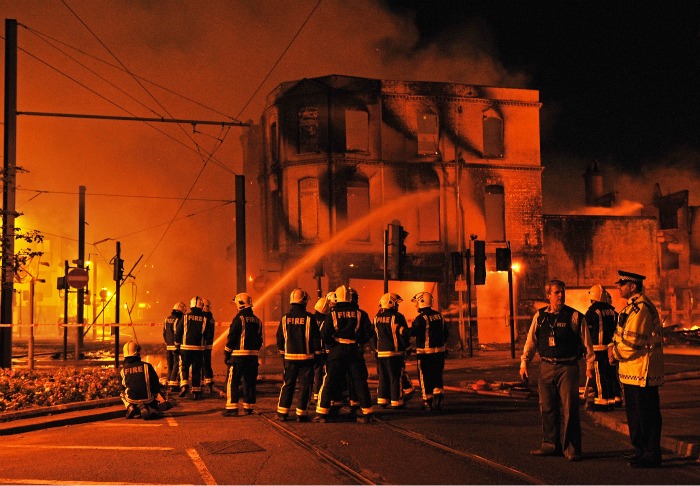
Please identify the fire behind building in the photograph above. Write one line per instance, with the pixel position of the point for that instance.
(344, 159)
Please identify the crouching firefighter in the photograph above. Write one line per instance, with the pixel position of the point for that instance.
(141, 385)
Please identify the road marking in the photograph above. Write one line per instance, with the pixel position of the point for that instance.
(201, 467)
(171, 421)
(94, 447)
(122, 425)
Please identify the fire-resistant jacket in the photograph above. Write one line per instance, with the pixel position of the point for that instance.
(244, 335)
(602, 320)
(347, 324)
(638, 343)
(194, 330)
(140, 381)
(392, 334)
(430, 331)
(169, 330)
(209, 340)
(298, 336)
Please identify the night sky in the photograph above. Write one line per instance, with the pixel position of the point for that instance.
(617, 81)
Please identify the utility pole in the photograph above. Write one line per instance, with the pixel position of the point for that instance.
(8, 195)
(81, 264)
(241, 276)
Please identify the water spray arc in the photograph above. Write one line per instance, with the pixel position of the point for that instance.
(319, 251)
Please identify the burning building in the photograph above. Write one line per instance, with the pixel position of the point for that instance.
(345, 157)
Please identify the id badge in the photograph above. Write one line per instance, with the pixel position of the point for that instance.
(552, 343)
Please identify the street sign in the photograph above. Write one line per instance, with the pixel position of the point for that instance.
(77, 278)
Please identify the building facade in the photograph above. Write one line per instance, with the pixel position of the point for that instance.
(345, 157)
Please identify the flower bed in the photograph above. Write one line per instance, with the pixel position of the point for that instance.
(22, 389)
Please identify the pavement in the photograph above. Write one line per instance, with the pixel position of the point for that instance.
(490, 372)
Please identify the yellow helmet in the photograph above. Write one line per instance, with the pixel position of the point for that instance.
(196, 302)
(298, 296)
(180, 306)
(423, 299)
(131, 349)
(597, 293)
(342, 294)
(390, 300)
(243, 301)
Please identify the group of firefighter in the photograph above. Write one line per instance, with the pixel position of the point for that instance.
(322, 351)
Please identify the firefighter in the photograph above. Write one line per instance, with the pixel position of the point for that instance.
(601, 318)
(298, 340)
(173, 350)
(346, 333)
(322, 307)
(207, 370)
(430, 331)
(141, 385)
(391, 339)
(241, 356)
(192, 331)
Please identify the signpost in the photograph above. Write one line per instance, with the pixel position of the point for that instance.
(78, 278)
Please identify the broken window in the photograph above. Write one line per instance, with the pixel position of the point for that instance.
(428, 134)
(495, 213)
(308, 130)
(356, 131)
(308, 209)
(493, 137)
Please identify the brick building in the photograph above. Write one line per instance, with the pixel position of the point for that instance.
(345, 157)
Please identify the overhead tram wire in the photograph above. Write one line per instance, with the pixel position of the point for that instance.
(134, 196)
(205, 160)
(279, 59)
(119, 68)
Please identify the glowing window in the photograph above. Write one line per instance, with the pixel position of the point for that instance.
(358, 206)
(428, 131)
(493, 137)
(308, 130)
(494, 213)
(356, 131)
(308, 209)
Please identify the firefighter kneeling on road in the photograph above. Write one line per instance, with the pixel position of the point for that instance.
(141, 385)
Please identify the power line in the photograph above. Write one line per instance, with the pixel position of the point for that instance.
(104, 194)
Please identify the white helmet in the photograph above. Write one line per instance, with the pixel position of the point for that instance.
(298, 296)
(342, 294)
(131, 349)
(423, 299)
(243, 301)
(597, 293)
(196, 302)
(180, 306)
(390, 300)
(207, 305)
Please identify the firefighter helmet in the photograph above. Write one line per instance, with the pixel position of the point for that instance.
(243, 301)
(131, 349)
(180, 306)
(298, 296)
(342, 294)
(390, 300)
(196, 302)
(207, 305)
(607, 298)
(597, 293)
(354, 296)
(423, 299)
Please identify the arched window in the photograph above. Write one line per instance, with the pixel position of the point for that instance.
(495, 213)
(493, 137)
(308, 209)
(358, 206)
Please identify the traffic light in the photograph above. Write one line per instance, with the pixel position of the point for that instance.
(118, 269)
(503, 261)
(479, 262)
(397, 251)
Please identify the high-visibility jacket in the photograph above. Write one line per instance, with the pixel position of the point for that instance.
(391, 333)
(298, 336)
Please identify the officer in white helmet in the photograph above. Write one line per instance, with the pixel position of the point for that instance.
(173, 350)
(346, 333)
(391, 339)
(141, 384)
(601, 319)
(193, 330)
(298, 340)
(430, 330)
(241, 356)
